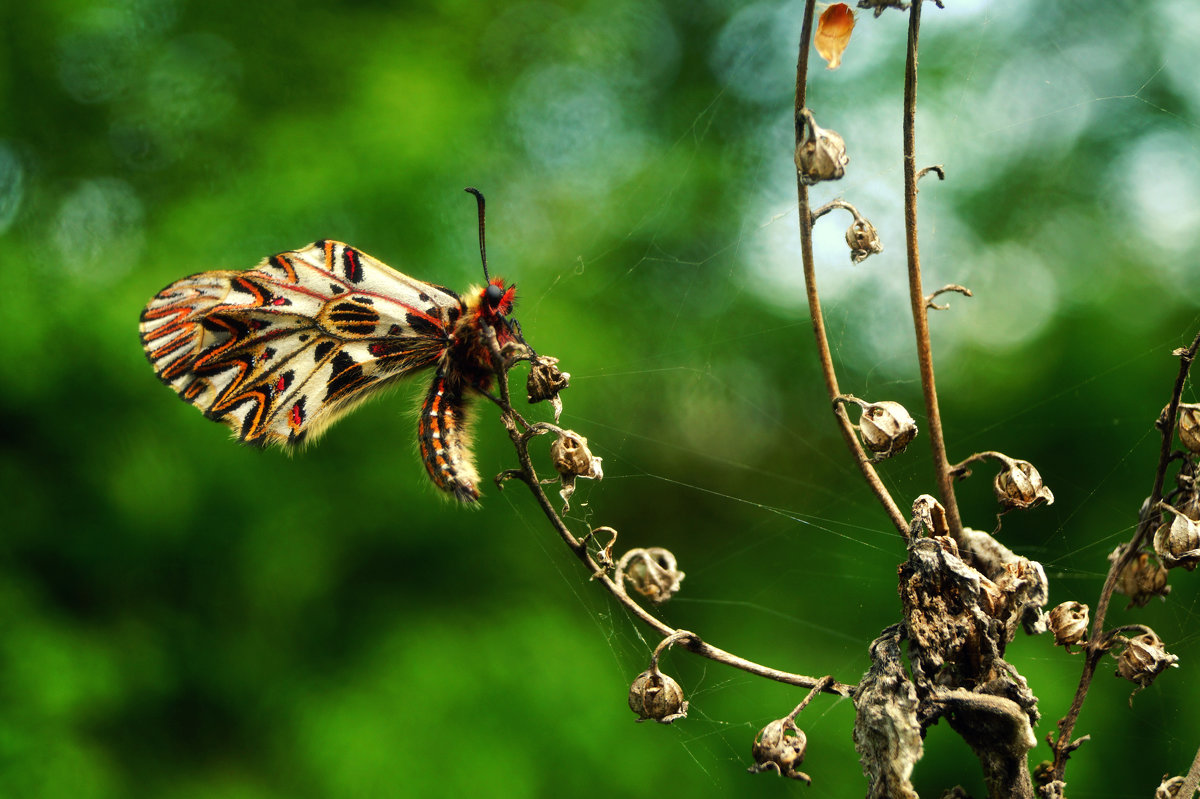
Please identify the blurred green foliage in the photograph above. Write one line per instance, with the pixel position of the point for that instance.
(182, 617)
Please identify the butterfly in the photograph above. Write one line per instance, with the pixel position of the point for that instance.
(282, 351)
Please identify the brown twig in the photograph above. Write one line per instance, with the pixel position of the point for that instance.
(960, 470)
(814, 302)
(821, 685)
(933, 306)
(832, 204)
(1095, 648)
(1192, 781)
(529, 477)
(936, 169)
(920, 312)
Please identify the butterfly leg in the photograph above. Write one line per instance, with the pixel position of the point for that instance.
(445, 439)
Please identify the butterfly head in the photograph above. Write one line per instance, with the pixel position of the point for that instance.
(497, 300)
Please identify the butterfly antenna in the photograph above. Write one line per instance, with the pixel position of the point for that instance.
(482, 248)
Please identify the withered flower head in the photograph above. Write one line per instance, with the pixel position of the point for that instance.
(820, 154)
(654, 695)
(886, 428)
(1144, 658)
(545, 381)
(1177, 542)
(779, 747)
(1020, 486)
(573, 459)
(1069, 623)
(1189, 426)
(652, 572)
(863, 240)
(1141, 579)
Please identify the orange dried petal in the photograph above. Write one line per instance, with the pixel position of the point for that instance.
(833, 33)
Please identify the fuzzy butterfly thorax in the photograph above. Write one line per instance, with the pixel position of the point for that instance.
(280, 352)
(467, 346)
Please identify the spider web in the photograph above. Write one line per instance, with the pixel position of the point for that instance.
(1031, 89)
(274, 627)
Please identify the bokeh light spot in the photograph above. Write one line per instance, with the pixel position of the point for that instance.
(12, 186)
(99, 230)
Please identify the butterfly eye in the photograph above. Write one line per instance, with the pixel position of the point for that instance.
(493, 294)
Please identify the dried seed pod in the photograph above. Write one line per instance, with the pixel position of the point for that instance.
(1026, 589)
(833, 33)
(1144, 658)
(886, 428)
(1069, 623)
(1189, 504)
(652, 572)
(1177, 542)
(820, 154)
(545, 381)
(1169, 788)
(1189, 426)
(863, 240)
(654, 695)
(928, 514)
(1141, 579)
(779, 747)
(572, 459)
(1020, 486)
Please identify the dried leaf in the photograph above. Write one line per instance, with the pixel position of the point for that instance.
(833, 33)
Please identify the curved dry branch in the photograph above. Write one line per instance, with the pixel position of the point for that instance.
(1062, 745)
(824, 353)
(936, 169)
(933, 306)
(528, 475)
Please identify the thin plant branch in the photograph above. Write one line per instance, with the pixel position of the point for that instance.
(676, 637)
(933, 306)
(937, 440)
(937, 169)
(821, 685)
(824, 354)
(831, 205)
(960, 471)
(1192, 781)
(1095, 648)
(579, 546)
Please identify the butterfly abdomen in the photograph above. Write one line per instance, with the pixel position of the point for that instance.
(444, 435)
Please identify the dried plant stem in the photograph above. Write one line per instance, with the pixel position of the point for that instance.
(1192, 781)
(832, 204)
(920, 311)
(814, 302)
(816, 689)
(1062, 745)
(521, 432)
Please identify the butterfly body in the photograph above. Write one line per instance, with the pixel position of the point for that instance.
(281, 351)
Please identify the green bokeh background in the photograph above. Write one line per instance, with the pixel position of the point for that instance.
(183, 617)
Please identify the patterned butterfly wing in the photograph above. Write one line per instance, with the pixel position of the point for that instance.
(281, 351)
